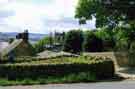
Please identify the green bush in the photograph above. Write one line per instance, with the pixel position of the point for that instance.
(72, 78)
(107, 37)
(39, 46)
(73, 41)
(92, 43)
(101, 69)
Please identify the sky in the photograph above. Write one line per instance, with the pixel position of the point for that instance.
(40, 16)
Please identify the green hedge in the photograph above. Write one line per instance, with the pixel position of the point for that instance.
(103, 69)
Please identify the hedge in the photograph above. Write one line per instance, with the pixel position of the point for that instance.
(103, 69)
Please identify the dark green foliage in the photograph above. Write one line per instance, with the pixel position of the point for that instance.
(106, 12)
(73, 41)
(11, 40)
(107, 37)
(71, 78)
(124, 37)
(101, 69)
(92, 43)
(39, 46)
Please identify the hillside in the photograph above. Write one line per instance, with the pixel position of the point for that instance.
(4, 36)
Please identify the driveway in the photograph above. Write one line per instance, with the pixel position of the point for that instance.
(128, 84)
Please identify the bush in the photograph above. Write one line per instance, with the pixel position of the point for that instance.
(92, 43)
(101, 69)
(122, 45)
(11, 40)
(73, 41)
(107, 37)
(39, 46)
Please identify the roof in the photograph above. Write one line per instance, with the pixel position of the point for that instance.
(10, 47)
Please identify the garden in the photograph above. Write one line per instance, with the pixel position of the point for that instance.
(114, 32)
(57, 70)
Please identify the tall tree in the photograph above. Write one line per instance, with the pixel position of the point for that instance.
(106, 12)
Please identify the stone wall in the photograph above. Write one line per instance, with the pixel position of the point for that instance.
(120, 58)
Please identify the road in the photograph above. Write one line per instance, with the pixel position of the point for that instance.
(101, 85)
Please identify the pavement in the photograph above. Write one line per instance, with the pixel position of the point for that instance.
(127, 84)
(126, 72)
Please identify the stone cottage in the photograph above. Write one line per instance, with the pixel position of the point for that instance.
(20, 46)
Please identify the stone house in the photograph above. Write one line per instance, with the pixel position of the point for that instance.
(20, 46)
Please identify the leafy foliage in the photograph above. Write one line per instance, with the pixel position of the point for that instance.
(58, 68)
(92, 43)
(106, 12)
(11, 40)
(107, 37)
(73, 41)
(39, 46)
(124, 37)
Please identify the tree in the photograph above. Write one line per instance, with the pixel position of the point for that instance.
(92, 43)
(73, 41)
(106, 12)
(11, 40)
(39, 46)
(107, 37)
(124, 36)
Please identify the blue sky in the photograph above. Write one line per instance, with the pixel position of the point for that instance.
(39, 16)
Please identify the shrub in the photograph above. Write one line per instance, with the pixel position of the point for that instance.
(39, 46)
(73, 41)
(92, 43)
(122, 45)
(11, 40)
(101, 69)
(107, 37)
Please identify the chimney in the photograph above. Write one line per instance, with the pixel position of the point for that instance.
(24, 36)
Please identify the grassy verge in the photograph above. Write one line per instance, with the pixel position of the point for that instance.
(71, 78)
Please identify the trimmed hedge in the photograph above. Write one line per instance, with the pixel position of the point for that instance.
(104, 69)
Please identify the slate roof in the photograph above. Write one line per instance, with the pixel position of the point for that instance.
(11, 46)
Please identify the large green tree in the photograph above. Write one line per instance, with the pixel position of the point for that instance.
(106, 12)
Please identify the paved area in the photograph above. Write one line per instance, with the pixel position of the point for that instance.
(128, 84)
(51, 54)
(127, 72)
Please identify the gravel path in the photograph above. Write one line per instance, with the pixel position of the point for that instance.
(102, 85)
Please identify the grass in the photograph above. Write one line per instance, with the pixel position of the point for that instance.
(71, 78)
(60, 60)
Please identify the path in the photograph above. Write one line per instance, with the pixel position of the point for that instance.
(101, 85)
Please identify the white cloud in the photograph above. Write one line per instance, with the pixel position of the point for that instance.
(36, 17)
(3, 2)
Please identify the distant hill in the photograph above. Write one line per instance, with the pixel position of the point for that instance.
(4, 36)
